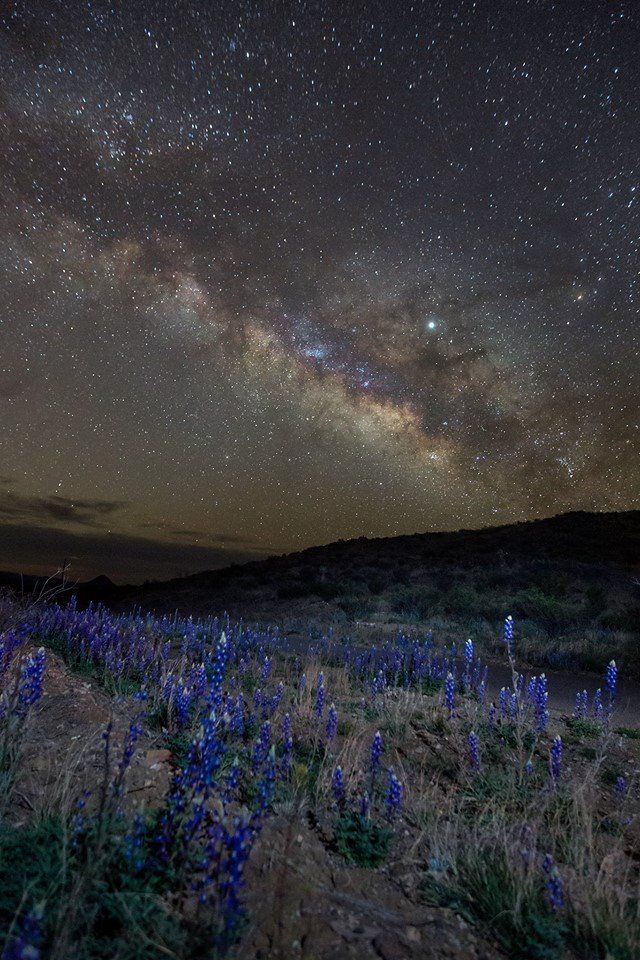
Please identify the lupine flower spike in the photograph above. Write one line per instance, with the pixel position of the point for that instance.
(508, 634)
(376, 752)
(611, 683)
(553, 883)
(555, 760)
(320, 696)
(332, 723)
(449, 693)
(337, 788)
(474, 750)
(393, 799)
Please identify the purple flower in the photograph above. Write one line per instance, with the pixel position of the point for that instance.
(332, 723)
(598, 712)
(31, 678)
(266, 669)
(620, 787)
(376, 752)
(393, 798)
(540, 700)
(182, 700)
(24, 944)
(508, 634)
(468, 662)
(449, 693)
(468, 652)
(581, 705)
(262, 746)
(553, 883)
(319, 709)
(474, 750)
(555, 760)
(337, 788)
(379, 683)
(611, 682)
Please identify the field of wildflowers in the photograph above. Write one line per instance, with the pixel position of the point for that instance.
(510, 828)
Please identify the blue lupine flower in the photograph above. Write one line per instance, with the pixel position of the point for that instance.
(31, 678)
(319, 708)
(598, 711)
(468, 652)
(393, 798)
(332, 723)
(468, 662)
(379, 683)
(611, 682)
(541, 698)
(376, 752)
(474, 750)
(553, 883)
(337, 788)
(449, 693)
(508, 634)
(182, 699)
(555, 760)
(266, 669)
(262, 746)
(24, 944)
(581, 706)
(620, 787)
(134, 843)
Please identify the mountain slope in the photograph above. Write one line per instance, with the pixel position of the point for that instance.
(571, 581)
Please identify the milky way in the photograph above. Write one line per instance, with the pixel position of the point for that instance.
(274, 274)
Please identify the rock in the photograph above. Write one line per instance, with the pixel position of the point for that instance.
(154, 758)
(389, 948)
(413, 935)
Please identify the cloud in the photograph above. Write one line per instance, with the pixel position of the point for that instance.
(64, 510)
(41, 550)
(205, 537)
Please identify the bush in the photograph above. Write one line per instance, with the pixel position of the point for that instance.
(463, 600)
(486, 888)
(360, 841)
(356, 608)
(418, 602)
(551, 611)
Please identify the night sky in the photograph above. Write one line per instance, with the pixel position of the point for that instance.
(274, 274)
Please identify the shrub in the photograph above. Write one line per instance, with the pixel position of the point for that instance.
(361, 841)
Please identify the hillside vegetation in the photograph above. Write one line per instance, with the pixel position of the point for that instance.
(199, 789)
(572, 581)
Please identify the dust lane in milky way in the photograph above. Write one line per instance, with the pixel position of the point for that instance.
(275, 274)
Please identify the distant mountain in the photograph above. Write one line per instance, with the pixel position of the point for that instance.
(572, 581)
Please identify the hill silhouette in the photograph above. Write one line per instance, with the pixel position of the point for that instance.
(572, 581)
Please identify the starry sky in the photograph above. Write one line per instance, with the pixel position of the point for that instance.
(278, 273)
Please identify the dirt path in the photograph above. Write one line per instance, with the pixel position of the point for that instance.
(564, 684)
